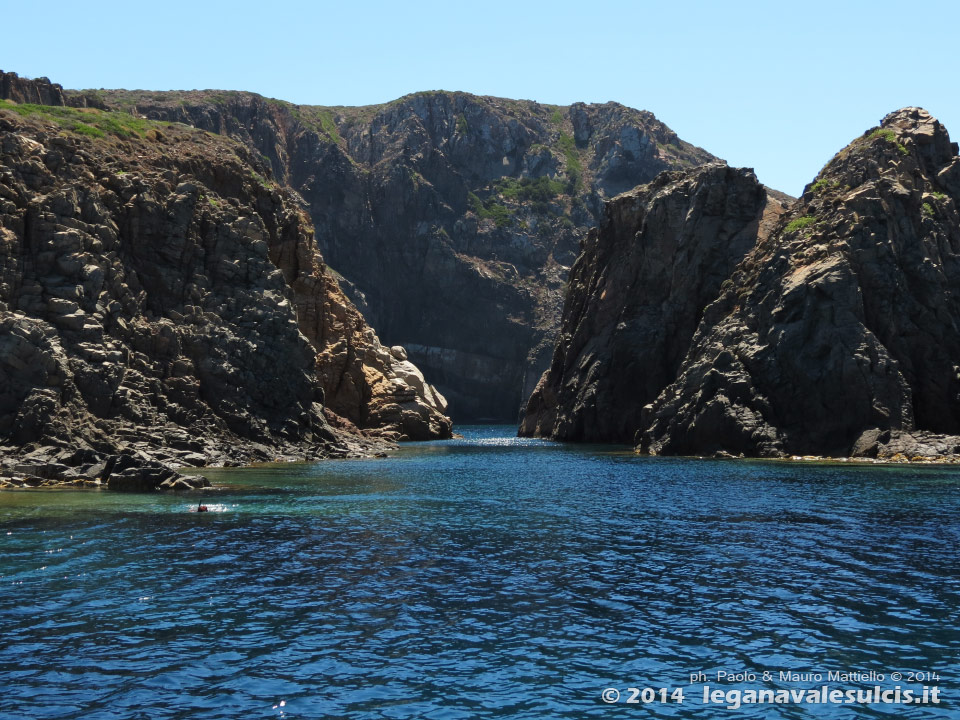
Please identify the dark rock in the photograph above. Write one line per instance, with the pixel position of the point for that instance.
(81, 456)
(453, 217)
(868, 444)
(154, 294)
(636, 295)
(99, 470)
(193, 459)
(46, 470)
(140, 479)
(918, 445)
(24, 90)
(836, 334)
(844, 325)
(118, 464)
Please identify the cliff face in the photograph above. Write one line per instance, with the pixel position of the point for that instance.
(636, 295)
(454, 218)
(22, 90)
(703, 318)
(841, 333)
(161, 300)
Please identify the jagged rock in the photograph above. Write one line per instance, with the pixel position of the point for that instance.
(636, 295)
(840, 333)
(836, 334)
(455, 218)
(158, 294)
(45, 470)
(24, 90)
(139, 479)
(918, 444)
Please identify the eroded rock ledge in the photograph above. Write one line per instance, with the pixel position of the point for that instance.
(163, 306)
(837, 334)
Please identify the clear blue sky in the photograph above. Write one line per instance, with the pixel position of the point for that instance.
(777, 86)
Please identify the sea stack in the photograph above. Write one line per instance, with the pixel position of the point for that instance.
(837, 334)
(637, 293)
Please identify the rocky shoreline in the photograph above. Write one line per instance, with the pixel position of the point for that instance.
(163, 306)
(141, 466)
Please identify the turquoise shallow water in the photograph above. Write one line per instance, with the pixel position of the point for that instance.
(486, 577)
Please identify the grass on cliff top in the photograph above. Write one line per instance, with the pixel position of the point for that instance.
(86, 121)
(317, 119)
(129, 99)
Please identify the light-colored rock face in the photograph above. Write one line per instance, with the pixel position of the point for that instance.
(368, 384)
(156, 289)
(365, 383)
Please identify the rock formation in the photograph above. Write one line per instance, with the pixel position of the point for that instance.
(22, 90)
(454, 218)
(837, 334)
(841, 332)
(636, 295)
(163, 304)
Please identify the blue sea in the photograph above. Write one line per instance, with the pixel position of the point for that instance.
(485, 577)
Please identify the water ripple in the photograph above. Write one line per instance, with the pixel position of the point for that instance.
(488, 577)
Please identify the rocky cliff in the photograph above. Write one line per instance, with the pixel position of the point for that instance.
(23, 90)
(162, 301)
(830, 329)
(840, 334)
(454, 218)
(636, 295)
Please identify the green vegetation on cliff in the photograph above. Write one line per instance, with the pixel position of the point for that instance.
(87, 121)
(490, 210)
(799, 223)
(405, 181)
(574, 165)
(891, 137)
(539, 189)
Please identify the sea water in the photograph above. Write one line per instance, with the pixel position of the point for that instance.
(483, 577)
